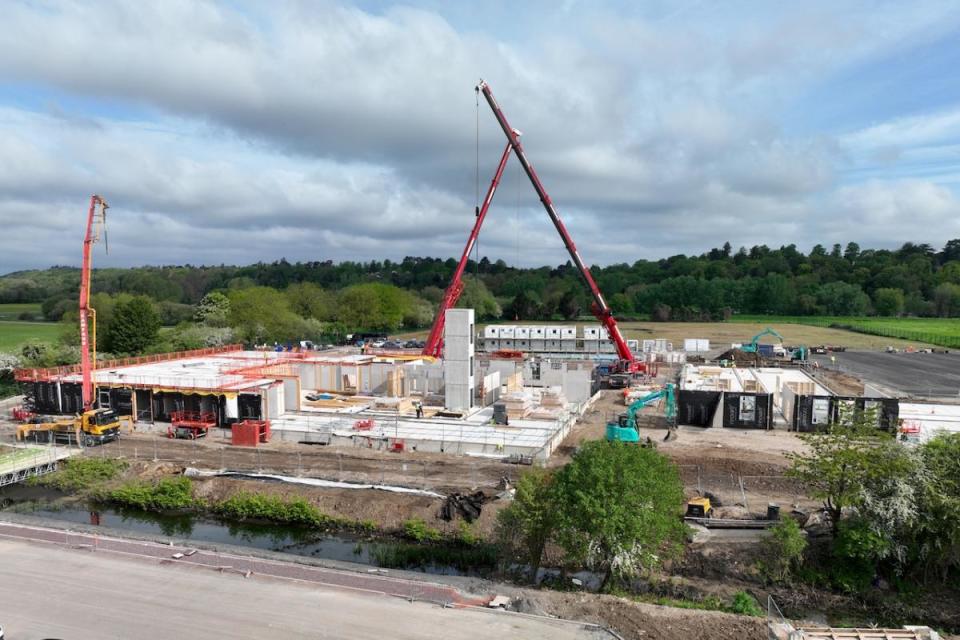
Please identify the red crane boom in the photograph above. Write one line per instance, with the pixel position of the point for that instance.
(599, 307)
(434, 344)
(97, 215)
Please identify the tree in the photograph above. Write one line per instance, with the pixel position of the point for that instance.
(782, 550)
(842, 299)
(888, 302)
(213, 310)
(618, 508)
(937, 535)
(376, 306)
(310, 301)
(852, 252)
(134, 327)
(946, 298)
(523, 307)
(570, 307)
(263, 314)
(851, 454)
(476, 296)
(525, 527)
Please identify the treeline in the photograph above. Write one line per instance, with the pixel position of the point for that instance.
(915, 279)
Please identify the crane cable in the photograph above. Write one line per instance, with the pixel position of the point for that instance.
(476, 185)
(516, 212)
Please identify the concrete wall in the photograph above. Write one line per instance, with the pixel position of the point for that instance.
(575, 378)
(458, 359)
(273, 398)
(291, 394)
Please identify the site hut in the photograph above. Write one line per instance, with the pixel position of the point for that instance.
(491, 338)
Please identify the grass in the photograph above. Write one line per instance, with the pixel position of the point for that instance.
(12, 310)
(419, 531)
(167, 494)
(742, 603)
(176, 494)
(82, 473)
(939, 331)
(13, 335)
(268, 508)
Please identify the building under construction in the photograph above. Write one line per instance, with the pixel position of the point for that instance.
(393, 401)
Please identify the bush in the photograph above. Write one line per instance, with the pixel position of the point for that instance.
(167, 494)
(745, 605)
(82, 473)
(418, 530)
(257, 506)
(856, 551)
(466, 535)
(782, 550)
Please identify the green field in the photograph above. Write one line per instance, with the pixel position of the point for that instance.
(12, 311)
(940, 331)
(13, 335)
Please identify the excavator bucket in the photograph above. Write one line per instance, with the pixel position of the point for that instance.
(671, 435)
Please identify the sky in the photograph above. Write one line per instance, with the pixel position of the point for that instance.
(238, 131)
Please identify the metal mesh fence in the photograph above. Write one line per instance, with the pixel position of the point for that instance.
(753, 493)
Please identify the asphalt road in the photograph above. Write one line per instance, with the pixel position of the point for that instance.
(908, 374)
(48, 591)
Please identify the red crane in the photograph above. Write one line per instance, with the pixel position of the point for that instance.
(96, 219)
(599, 307)
(434, 344)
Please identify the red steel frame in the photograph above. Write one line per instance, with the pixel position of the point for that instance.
(434, 344)
(195, 421)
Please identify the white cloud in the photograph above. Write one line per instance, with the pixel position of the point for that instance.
(238, 132)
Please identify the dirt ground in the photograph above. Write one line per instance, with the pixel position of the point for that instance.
(647, 621)
(710, 460)
(438, 472)
(388, 510)
(726, 333)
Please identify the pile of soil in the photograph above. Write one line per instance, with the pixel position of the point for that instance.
(651, 622)
(741, 356)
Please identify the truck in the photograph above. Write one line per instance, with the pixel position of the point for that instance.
(93, 427)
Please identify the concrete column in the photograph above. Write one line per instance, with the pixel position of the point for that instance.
(458, 360)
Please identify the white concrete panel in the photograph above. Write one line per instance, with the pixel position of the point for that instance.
(291, 394)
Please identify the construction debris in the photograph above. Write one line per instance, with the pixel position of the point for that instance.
(467, 505)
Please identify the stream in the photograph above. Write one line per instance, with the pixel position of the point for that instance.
(299, 541)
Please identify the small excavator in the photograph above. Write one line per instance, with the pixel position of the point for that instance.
(94, 425)
(625, 428)
(754, 345)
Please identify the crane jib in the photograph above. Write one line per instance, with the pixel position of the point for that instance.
(602, 311)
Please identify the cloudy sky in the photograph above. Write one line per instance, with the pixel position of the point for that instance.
(240, 131)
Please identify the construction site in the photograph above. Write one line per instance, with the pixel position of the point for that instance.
(472, 410)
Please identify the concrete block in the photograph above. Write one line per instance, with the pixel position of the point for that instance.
(458, 322)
